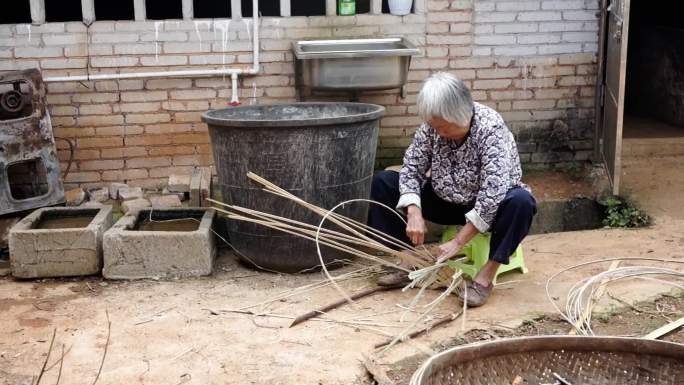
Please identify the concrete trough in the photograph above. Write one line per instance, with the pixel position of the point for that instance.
(59, 242)
(176, 243)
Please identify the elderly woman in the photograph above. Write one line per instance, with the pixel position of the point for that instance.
(473, 180)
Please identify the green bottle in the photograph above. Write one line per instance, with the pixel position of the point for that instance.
(346, 7)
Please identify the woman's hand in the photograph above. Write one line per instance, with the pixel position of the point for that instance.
(449, 249)
(415, 225)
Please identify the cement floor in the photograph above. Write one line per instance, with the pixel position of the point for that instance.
(176, 333)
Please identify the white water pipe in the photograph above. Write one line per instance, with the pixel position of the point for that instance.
(232, 72)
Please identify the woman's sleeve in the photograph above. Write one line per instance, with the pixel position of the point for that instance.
(417, 161)
(495, 160)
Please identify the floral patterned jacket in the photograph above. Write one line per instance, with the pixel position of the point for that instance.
(478, 172)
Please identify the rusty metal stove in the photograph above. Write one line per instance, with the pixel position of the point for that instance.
(29, 168)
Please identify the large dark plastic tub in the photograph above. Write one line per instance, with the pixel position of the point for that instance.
(323, 153)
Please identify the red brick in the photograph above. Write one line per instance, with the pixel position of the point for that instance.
(97, 165)
(73, 132)
(166, 171)
(83, 177)
(148, 140)
(148, 162)
(168, 128)
(123, 152)
(100, 120)
(192, 160)
(148, 118)
(187, 117)
(113, 141)
(172, 150)
(198, 138)
(204, 149)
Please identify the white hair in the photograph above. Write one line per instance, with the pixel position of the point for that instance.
(446, 97)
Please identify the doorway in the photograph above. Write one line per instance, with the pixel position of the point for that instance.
(654, 93)
(642, 103)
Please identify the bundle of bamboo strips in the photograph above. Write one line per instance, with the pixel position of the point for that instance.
(357, 239)
(356, 235)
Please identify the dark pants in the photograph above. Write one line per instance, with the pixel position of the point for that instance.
(511, 224)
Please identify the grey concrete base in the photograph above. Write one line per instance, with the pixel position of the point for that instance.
(37, 253)
(134, 254)
(567, 215)
(553, 216)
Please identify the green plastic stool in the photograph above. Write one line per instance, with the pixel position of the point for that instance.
(477, 253)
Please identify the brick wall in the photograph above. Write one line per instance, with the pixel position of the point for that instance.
(534, 61)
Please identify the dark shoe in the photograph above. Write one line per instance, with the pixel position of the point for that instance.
(394, 277)
(477, 294)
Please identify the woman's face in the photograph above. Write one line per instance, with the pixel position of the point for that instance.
(448, 130)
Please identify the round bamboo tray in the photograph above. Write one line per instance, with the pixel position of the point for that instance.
(579, 360)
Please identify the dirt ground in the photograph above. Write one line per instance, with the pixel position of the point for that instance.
(629, 320)
(555, 184)
(180, 332)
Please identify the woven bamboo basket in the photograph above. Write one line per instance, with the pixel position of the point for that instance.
(579, 360)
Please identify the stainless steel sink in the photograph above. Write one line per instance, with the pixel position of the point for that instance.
(353, 64)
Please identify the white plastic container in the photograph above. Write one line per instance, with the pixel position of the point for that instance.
(400, 7)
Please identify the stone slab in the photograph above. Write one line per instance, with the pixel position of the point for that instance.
(179, 183)
(114, 189)
(38, 253)
(134, 205)
(75, 197)
(165, 201)
(205, 186)
(133, 254)
(130, 193)
(181, 196)
(99, 195)
(195, 182)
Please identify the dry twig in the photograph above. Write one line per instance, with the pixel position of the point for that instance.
(104, 354)
(42, 370)
(60, 359)
(61, 363)
(336, 304)
(438, 323)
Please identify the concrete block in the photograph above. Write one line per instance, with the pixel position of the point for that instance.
(195, 179)
(181, 196)
(165, 201)
(59, 242)
(205, 186)
(130, 193)
(114, 189)
(74, 197)
(92, 204)
(136, 248)
(134, 205)
(99, 195)
(566, 215)
(179, 183)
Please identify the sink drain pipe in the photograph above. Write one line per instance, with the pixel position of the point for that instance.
(234, 73)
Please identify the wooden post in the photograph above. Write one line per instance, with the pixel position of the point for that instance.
(285, 8)
(37, 11)
(375, 7)
(331, 7)
(236, 9)
(188, 10)
(139, 9)
(88, 10)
